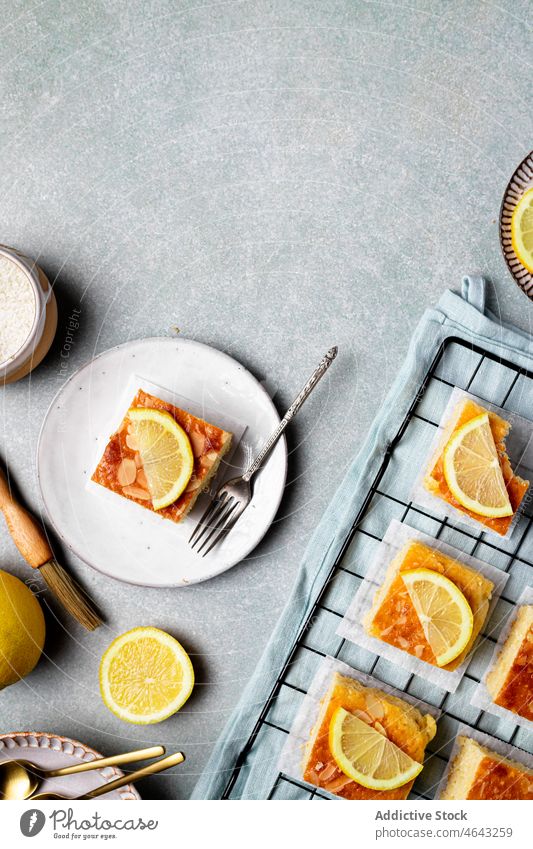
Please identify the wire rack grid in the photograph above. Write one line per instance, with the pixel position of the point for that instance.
(506, 388)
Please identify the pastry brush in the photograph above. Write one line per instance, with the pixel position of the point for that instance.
(31, 541)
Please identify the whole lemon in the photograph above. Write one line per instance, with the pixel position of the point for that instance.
(22, 630)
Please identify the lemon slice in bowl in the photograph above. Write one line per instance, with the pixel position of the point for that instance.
(473, 472)
(367, 756)
(522, 230)
(444, 613)
(166, 454)
(145, 676)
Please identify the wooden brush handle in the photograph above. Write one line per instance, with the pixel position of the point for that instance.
(27, 534)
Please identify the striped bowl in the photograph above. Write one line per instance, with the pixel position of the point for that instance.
(521, 180)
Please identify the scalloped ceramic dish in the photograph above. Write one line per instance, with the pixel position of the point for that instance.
(50, 751)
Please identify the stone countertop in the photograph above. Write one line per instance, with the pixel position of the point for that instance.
(272, 178)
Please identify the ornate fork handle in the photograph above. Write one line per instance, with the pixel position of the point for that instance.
(291, 412)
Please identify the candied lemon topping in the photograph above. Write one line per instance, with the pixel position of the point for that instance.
(444, 613)
(165, 452)
(145, 676)
(522, 230)
(367, 756)
(473, 472)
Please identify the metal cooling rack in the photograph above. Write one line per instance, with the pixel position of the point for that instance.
(318, 637)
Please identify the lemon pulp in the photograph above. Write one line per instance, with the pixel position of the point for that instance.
(165, 452)
(367, 756)
(522, 230)
(145, 676)
(473, 472)
(444, 613)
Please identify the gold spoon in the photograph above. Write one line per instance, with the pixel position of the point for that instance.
(151, 769)
(20, 779)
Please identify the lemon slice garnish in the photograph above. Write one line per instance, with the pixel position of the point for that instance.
(473, 472)
(145, 676)
(367, 756)
(522, 230)
(444, 613)
(166, 454)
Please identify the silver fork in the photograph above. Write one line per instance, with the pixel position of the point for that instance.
(233, 497)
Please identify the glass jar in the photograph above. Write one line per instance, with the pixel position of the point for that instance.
(25, 338)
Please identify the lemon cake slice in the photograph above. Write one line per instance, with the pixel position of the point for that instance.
(396, 618)
(399, 722)
(437, 481)
(510, 681)
(131, 468)
(479, 773)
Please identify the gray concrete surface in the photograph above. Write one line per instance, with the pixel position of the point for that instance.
(272, 177)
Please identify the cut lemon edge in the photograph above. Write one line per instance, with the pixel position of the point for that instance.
(140, 416)
(112, 654)
(457, 600)
(368, 752)
(520, 227)
(486, 464)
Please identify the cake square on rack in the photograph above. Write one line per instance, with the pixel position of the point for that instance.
(435, 480)
(120, 469)
(399, 721)
(477, 772)
(510, 681)
(393, 617)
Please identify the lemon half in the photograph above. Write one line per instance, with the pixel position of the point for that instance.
(366, 756)
(522, 230)
(444, 613)
(145, 676)
(166, 454)
(473, 472)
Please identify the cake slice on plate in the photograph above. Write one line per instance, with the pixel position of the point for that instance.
(161, 457)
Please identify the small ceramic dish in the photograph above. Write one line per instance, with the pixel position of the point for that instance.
(521, 180)
(50, 751)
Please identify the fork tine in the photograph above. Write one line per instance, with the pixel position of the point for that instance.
(202, 523)
(222, 519)
(224, 531)
(214, 518)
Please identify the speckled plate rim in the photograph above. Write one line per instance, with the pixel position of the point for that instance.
(521, 180)
(25, 740)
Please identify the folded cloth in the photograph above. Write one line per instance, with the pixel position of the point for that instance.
(462, 316)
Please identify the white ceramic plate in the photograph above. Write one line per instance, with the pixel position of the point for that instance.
(117, 536)
(50, 751)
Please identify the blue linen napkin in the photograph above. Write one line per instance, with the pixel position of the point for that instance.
(464, 316)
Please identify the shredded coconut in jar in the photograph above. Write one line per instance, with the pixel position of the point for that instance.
(17, 308)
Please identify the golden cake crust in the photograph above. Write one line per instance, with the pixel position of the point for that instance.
(479, 773)
(393, 618)
(435, 482)
(510, 681)
(208, 442)
(409, 729)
